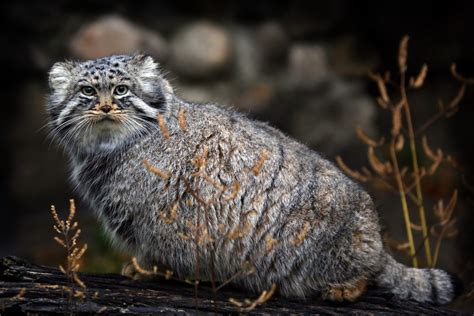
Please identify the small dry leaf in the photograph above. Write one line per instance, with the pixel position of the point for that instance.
(420, 79)
(352, 173)
(366, 139)
(426, 148)
(460, 78)
(416, 227)
(165, 175)
(381, 86)
(399, 142)
(402, 54)
(182, 120)
(375, 163)
(397, 119)
(163, 127)
(78, 280)
(59, 241)
(453, 106)
(382, 103)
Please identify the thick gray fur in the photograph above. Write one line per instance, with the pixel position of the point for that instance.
(325, 227)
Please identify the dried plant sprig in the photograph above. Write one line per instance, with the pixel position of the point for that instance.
(249, 305)
(68, 238)
(138, 268)
(261, 160)
(162, 124)
(247, 269)
(165, 175)
(182, 120)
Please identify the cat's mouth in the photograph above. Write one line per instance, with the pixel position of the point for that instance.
(107, 118)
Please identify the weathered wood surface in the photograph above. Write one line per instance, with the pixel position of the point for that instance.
(31, 288)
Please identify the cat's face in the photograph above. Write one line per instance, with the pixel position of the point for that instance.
(96, 105)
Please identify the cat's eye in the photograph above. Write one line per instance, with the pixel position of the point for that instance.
(120, 90)
(88, 90)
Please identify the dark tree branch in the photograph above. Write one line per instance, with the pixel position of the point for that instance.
(31, 288)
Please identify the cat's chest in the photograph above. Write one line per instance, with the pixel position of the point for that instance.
(94, 177)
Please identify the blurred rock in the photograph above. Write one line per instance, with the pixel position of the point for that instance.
(115, 35)
(348, 58)
(274, 44)
(201, 50)
(248, 56)
(37, 171)
(249, 98)
(255, 98)
(308, 66)
(325, 119)
(259, 51)
(216, 92)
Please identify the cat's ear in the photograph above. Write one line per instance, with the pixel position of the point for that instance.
(149, 75)
(60, 76)
(146, 66)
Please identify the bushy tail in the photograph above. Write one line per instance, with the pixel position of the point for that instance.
(422, 285)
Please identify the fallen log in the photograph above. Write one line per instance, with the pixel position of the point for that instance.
(30, 288)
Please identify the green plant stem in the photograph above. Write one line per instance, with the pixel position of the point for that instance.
(406, 213)
(416, 171)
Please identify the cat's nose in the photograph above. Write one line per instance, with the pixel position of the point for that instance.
(105, 108)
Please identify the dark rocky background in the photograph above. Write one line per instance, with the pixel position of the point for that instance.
(301, 65)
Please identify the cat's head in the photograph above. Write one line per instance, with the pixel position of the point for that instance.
(96, 105)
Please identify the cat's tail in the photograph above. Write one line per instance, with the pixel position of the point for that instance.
(422, 285)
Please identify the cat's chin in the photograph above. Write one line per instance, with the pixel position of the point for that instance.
(106, 136)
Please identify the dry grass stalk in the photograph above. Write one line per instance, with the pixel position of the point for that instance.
(247, 269)
(69, 239)
(446, 223)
